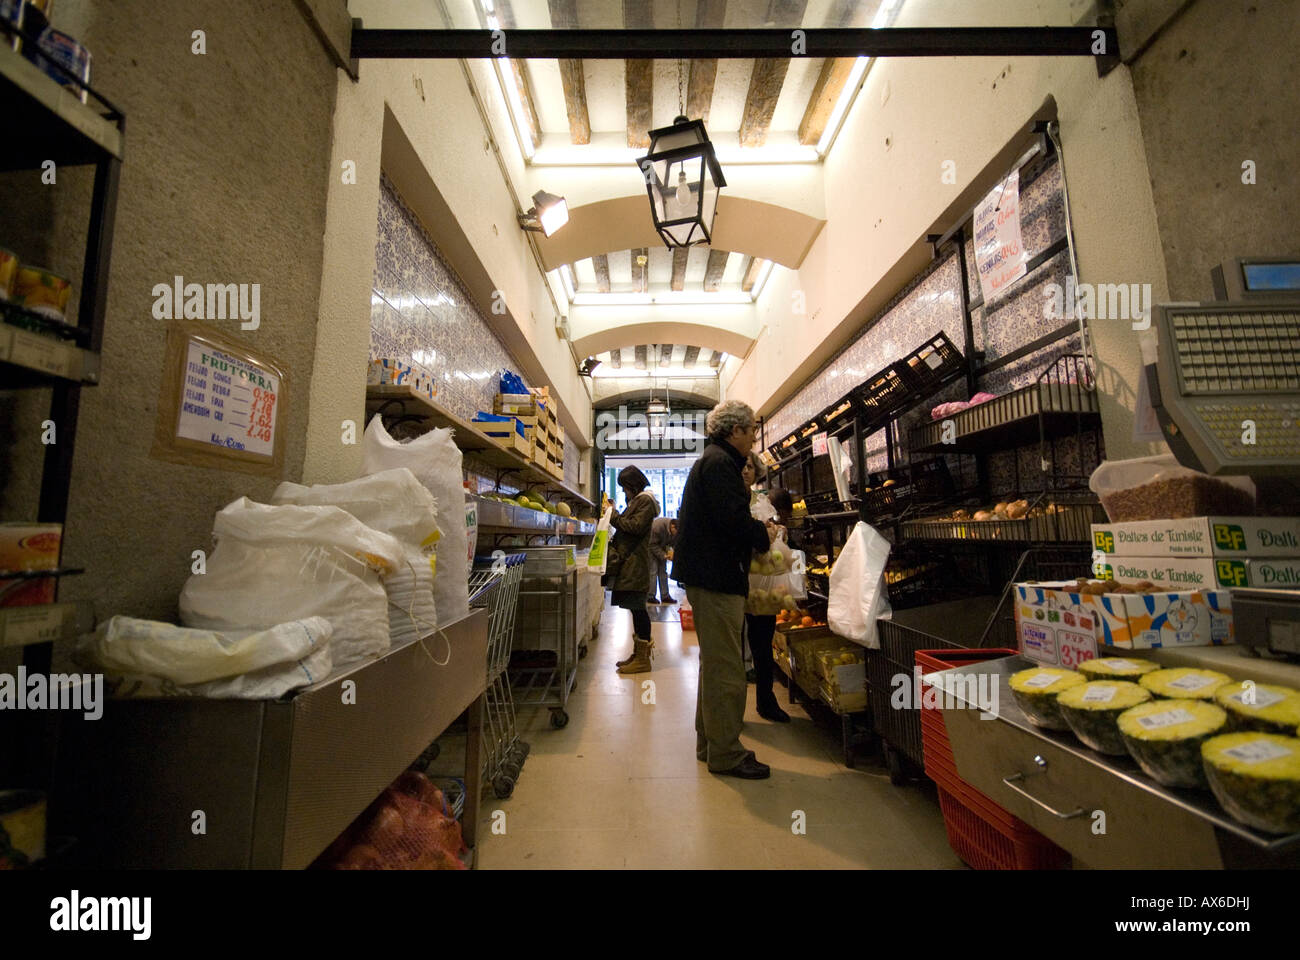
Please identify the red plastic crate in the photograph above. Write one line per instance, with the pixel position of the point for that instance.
(688, 619)
(980, 831)
(983, 845)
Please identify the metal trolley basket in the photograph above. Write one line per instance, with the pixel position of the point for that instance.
(494, 584)
(544, 663)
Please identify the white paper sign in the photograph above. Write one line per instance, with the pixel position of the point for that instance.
(999, 251)
(1257, 751)
(819, 445)
(228, 402)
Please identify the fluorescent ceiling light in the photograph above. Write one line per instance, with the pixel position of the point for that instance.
(760, 281)
(841, 108)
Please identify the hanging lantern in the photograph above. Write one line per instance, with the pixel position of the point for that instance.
(682, 177)
(657, 413)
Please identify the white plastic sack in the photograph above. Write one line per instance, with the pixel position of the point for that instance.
(146, 658)
(437, 464)
(278, 563)
(770, 581)
(858, 593)
(598, 555)
(396, 503)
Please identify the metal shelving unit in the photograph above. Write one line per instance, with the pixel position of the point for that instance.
(56, 126)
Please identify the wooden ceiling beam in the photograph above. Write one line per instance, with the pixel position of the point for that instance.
(760, 102)
(679, 267)
(709, 15)
(751, 274)
(616, 358)
(564, 16)
(665, 354)
(638, 76)
(826, 93)
(713, 272)
(692, 355)
(601, 262)
(641, 357)
(785, 13)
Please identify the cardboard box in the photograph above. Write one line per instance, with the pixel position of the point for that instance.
(28, 547)
(1202, 573)
(1200, 537)
(1053, 626)
(1061, 628)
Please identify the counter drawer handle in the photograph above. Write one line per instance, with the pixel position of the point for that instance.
(1010, 782)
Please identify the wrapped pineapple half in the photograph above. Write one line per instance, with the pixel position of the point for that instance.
(1256, 777)
(1116, 668)
(1165, 737)
(1036, 689)
(1184, 683)
(1092, 710)
(1260, 706)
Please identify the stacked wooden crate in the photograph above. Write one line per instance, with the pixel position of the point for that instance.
(524, 408)
(550, 435)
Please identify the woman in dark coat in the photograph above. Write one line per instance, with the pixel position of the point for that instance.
(629, 553)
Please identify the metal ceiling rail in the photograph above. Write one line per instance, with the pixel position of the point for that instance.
(1098, 42)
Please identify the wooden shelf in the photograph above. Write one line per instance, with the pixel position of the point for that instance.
(468, 437)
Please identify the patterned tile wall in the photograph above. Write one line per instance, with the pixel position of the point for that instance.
(931, 303)
(421, 313)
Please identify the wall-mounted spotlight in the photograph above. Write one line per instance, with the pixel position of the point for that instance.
(548, 214)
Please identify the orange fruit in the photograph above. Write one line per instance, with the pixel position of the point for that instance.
(806, 621)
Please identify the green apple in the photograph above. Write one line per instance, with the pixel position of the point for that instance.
(753, 567)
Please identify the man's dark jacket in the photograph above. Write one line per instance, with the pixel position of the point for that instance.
(716, 536)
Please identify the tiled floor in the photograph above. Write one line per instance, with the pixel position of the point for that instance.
(620, 785)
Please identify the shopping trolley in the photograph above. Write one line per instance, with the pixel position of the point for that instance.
(494, 584)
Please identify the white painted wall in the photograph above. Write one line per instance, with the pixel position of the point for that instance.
(881, 198)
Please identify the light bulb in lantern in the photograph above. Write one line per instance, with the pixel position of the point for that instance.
(683, 188)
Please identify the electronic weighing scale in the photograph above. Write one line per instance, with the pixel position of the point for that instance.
(1226, 390)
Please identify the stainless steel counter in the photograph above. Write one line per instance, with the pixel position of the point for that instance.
(275, 781)
(1069, 792)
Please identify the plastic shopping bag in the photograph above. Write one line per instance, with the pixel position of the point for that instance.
(437, 463)
(598, 555)
(396, 503)
(273, 564)
(146, 658)
(858, 594)
(769, 581)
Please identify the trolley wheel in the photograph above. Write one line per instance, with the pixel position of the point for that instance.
(503, 786)
(582, 652)
(522, 749)
(897, 774)
(559, 719)
(512, 769)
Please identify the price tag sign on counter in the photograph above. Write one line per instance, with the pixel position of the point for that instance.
(228, 402)
(820, 446)
(220, 405)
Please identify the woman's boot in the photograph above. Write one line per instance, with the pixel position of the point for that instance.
(632, 656)
(640, 662)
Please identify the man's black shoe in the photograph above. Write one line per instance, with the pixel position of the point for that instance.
(773, 713)
(747, 769)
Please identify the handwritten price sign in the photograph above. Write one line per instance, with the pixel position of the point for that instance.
(228, 401)
(1075, 647)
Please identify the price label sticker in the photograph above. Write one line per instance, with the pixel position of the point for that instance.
(1257, 699)
(1040, 680)
(1257, 751)
(1191, 682)
(1117, 663)
(1166, 718)
(1100, 693)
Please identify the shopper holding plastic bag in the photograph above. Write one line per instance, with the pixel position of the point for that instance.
(858, 594)
(716, 537)
(772, 593)
(627, 572)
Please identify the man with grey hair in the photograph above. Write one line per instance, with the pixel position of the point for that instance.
(716, 537)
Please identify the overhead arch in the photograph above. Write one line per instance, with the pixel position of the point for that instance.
(615, 336)
(763, 230)
(679, 399)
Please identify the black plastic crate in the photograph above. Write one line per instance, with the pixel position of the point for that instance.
(840, 413)
(900, 728)
(882, 393)
(932, 365)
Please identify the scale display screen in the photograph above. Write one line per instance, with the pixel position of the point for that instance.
(1261, 277)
